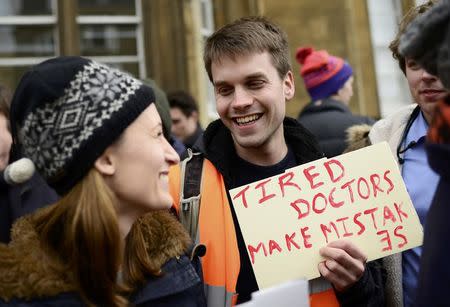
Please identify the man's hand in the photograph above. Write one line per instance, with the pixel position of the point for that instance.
(344, 265)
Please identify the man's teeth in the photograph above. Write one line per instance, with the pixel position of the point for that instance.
(247, 119)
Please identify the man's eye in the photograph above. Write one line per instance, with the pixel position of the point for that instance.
(413, 65)
(224, 91)
(256, 84)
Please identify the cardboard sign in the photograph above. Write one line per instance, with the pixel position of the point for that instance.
(359, 196)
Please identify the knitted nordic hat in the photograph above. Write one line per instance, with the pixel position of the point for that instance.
(322, 73)
(427, 40)
(67, 110)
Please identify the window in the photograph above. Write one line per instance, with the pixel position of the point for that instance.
(28, 34)
(111, 32)
(393, 91)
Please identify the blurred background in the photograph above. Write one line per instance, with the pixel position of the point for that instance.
(163, 40)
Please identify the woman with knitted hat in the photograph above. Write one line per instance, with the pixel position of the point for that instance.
(95, 135)
(328, 80)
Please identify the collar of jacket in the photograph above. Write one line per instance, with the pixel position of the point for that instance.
(328, 104)
(218, 145)
(28, 272)
(190, 141)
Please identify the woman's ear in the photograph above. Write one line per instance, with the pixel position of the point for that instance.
(105, 164)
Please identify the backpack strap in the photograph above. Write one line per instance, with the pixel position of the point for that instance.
(190, 196)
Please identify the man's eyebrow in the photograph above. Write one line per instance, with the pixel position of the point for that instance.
(249, 77)
(219, 83)
(255, 76)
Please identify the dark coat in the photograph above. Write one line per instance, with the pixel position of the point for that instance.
(22, 264)
(19, 200)
(191, 140)
(434, 278)
(180, 285)
(328, 120)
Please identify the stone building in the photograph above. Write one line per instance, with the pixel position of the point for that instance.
(163, 40)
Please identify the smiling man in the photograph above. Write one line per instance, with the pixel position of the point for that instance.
(248, 63)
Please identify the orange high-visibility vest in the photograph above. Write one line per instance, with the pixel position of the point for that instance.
(216, 231)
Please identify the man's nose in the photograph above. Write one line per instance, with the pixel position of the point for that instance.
(241, 99)
(427, 76)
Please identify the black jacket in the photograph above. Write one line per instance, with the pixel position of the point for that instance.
(434, 278)
(19, 200)
(218, 147)
(328, 120)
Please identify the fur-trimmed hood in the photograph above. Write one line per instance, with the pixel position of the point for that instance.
(27, 271)
(357, 137)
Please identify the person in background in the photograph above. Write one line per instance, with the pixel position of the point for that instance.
(405, 132)
(5, 134)
(185, 117)
(162, 105)
(329, 82)
(94, 134)
(17, 197)
(5, 149)
(249, 65)
(427, 41)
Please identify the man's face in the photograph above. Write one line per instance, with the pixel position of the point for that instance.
(425, 88)
(183, 126)
(251, 99)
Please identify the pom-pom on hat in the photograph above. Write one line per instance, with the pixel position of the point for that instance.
(67, 110)
(322, 73)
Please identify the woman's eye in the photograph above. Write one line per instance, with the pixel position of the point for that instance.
(158, 134)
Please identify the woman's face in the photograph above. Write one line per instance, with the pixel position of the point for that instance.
(5, 142)
(345, 93)
(139, 165)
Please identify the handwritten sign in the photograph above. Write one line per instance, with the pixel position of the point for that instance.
(359, 196)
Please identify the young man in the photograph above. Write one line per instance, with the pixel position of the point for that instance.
(248, 63)
(405, 132)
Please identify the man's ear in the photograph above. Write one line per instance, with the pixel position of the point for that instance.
(105, 164)
(289, 86)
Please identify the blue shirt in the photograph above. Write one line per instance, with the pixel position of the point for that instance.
(421, 182)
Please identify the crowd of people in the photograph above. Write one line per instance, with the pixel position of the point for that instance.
(98, 222)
